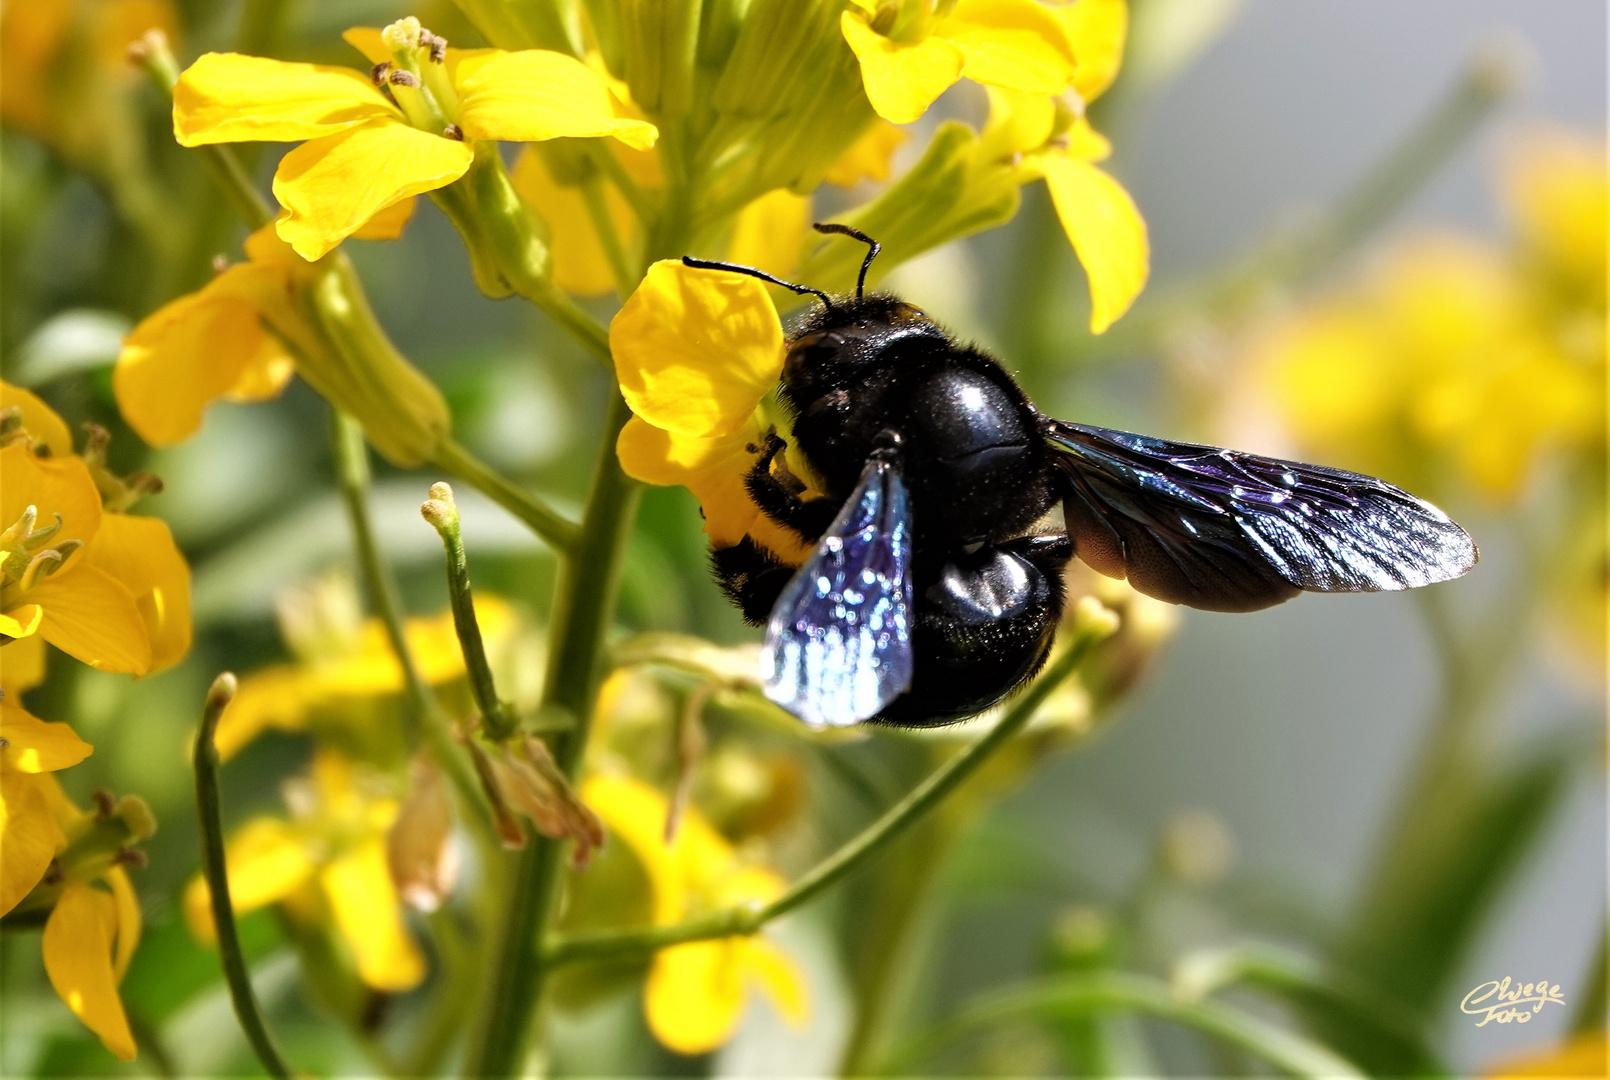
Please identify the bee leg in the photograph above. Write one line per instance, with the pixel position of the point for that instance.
(807, 517)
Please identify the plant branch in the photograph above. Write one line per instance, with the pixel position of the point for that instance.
(1110, 992)
(584, 603)
(213, 866)
(1094, 624)
(542, 519)
(352, 477)
(440, 510)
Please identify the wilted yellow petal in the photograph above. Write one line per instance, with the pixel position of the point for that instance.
(196, 349)
(869, 157)
(29, 834)
(331, 186)
(1107, 234)
(1017, 44)
(696, 350)
(579, 263)
(695, 994)
(770, 232)
(51, 485)
(22, 662)
(901, 78)
(389, 223)
(93, 617)
(534, 94)
(267, 861)
(38, 419)
(34, 745)
(227, 97)
(140, 553)
(364, 902)
(78, 958)
(779, 976)
(1096, 28)
(128, 919)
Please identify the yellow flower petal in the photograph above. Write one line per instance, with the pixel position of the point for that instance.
(29, 834)
(227, 97)
(34, 745)
(389, 223)
(901, 78)
(779, 976)
(579, 263)
(535, 94)
(78, 958)
(22, 662)
(695, 994)
(21, 622)
(93, 617)
(770, 232)
(1017, 44)
(128, 919)
(1018, 121)
(274, 697)
(196, 349)
(331, 186)
(869, 157)
(1107, 234)
(38, 419)
(635, 813)
(1096, 29)
(696, 350)
(1086, 143)
(267, 861)
(140, 553)
(364, 902)
(51, 485)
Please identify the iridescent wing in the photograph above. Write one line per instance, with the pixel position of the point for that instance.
(1227, 531)
(838, 644)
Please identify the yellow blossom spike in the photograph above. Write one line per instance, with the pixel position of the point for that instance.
(901, 78)
(38, 419)
(227, 97)
(29, 833)
(535, 94)
(330, 187)
(1017, 44)
(77, 947)
(34, 745)
(696, 350)
(1096, 29)
(1107, 233)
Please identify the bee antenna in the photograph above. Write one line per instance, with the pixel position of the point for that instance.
(736, 268)
(873, 247)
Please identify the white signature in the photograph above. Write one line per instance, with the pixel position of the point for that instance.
(1505, 1000)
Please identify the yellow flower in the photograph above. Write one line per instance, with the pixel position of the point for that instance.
(365, 150)
(29, 832)
(697, 353)
(696, 991)
(326, 867)
(1058, 144)
(1583, 1056)
(240, 337)
(78, 585)
(89, 940)
(345, 666)
(910, 54)
(869, 157)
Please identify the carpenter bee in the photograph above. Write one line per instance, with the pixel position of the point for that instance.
(934, 590)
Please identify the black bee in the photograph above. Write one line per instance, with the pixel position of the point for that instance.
(930, 595)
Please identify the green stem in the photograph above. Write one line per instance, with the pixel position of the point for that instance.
(858, 851)
(541, 518)
(425, 712)
(592, 193)
(1114, 992)
(155, 55)
(440, 511)
(604, 157)
(584, 603)
(213, 866)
